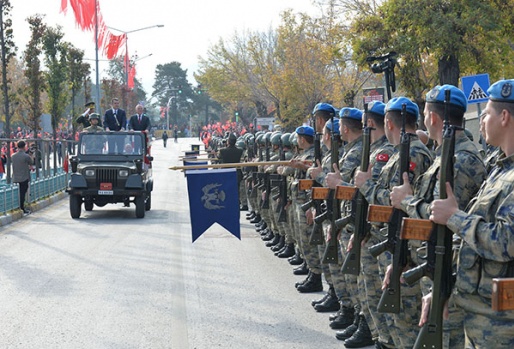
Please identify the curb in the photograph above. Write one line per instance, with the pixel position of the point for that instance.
(15, 215)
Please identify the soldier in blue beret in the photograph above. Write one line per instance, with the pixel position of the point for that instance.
(380, 153)
(378, 190)
(486, 228)
(469, 173)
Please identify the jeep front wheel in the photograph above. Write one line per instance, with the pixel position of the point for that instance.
(75, 205)
(140, 206)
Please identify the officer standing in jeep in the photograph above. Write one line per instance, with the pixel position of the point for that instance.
(84, 118)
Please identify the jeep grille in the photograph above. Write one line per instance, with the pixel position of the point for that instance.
(107, 176)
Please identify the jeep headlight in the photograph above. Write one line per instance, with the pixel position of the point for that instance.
(123, 173)
(90, 173)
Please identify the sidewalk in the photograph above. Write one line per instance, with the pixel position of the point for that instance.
(14, 215)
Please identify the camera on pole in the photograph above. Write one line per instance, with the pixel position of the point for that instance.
(385, 64)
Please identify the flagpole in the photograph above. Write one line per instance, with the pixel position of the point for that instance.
(96, 60)
(239, 164)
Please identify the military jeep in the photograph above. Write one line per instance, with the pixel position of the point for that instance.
(109, 168)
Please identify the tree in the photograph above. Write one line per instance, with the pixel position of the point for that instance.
(33, 72)
(444, 34)
(8, 51)
(78, 70)
(55, 52)
(172, 89)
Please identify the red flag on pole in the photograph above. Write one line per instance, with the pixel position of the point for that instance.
(131, 76)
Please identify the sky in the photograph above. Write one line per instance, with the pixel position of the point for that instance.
(190, 27)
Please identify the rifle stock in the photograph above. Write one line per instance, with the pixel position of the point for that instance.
(503, 294)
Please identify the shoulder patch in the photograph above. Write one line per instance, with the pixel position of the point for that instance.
(382, 157)
(412, 166)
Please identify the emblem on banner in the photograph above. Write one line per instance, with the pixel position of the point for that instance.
(213, 197)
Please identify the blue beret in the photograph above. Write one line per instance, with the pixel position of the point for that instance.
(305, 131)
(351, 113)
(395, 104)
(502, 91)
(324, 107)
(333, 126)
(457, 97)
(377, 107)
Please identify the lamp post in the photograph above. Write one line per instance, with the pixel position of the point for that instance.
(126, 32)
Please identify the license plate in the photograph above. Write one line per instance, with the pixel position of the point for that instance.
(105, 192)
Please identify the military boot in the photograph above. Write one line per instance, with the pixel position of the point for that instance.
(313, 285)
(296, 259)
(268, 236)
(348, 331)
(262, 226)
(299, 283)
(250, 215)
(301, 270)
(344, 320)
(331, 303)
(278, 246)
(256, 219)
(362, 337)
(287, 252)
(321, 300)
(274, 241)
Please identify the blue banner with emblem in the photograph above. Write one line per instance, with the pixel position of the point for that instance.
(213, 198)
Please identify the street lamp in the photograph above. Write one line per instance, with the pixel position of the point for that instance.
(126, 32)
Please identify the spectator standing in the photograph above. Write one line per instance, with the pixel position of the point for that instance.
(21, 166)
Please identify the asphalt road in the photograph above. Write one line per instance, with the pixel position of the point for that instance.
(110, 280)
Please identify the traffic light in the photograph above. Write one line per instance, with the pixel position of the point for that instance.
(179, 88)
(199, 89)
(237, 116)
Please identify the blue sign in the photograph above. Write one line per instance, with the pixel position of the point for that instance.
(475, 88)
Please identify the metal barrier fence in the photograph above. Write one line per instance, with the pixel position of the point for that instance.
(46, 180)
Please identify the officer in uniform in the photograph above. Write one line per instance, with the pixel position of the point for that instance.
(94, 119)
(378, 192)
(469, 173)
(487, 230)
(94, 145)
(84, 117)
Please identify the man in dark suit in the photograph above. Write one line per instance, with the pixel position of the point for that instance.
(115, 119)
(139, 121)
(230, 155)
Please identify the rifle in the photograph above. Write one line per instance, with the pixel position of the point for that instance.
(316, 236)
(352, 262)
(390, 300)
(439, 248)
(266, 185)
(331, 253)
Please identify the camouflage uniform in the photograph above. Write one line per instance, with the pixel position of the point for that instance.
(370, 280)
(346, 284)
(469, 173)
(487, 252)
(303, 230)
(378, 192)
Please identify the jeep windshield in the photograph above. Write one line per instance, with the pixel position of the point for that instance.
(111, 144)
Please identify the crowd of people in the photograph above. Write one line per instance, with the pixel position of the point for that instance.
(477, 210)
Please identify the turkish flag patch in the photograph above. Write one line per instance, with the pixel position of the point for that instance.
(412, 166)
(382, 157)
